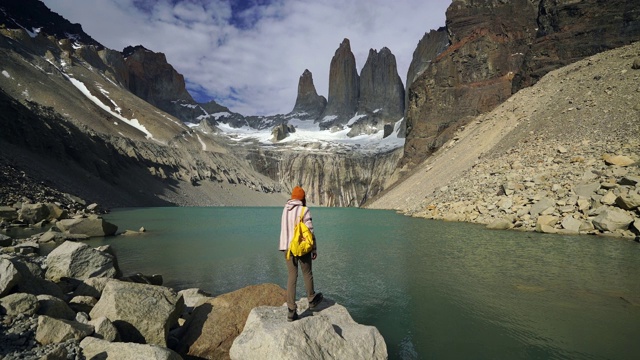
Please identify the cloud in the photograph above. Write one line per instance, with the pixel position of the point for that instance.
(249, 54)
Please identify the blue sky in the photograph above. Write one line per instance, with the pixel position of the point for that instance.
(249, 54)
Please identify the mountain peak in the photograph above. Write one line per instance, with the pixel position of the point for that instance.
(308, 100)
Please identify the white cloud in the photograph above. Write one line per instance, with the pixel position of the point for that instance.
(250, 61)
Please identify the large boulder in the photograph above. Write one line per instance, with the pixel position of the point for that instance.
(19, 303)
(52, 331)
(80, 261)
(92, 226)
(214, 325)
(142, 313)
(93, 348)
(54, 307)
(8, 213)
(92, 287)
(329, 333)
(5, 240)
(33, 213)
(611, 219)
(9, 276)
(629, 201)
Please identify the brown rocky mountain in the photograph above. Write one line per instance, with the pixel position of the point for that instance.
(429, 47)
(342, 102)
(561, 156)
(497, 47)
(381, 88)
(308, 101)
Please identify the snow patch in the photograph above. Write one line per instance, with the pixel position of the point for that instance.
(219, 115)
(329, 118)
(131, 122)
(6, 74)
(354, 119)
(204, 146)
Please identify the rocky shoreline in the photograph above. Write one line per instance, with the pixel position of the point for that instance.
(586, 188)
(75, 303)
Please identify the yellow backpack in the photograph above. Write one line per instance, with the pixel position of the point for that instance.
(302, 242)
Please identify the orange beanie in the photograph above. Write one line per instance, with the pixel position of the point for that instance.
(297, 193)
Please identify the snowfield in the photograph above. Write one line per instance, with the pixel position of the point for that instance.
(308, 136)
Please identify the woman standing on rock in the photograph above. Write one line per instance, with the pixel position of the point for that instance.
(291, 214)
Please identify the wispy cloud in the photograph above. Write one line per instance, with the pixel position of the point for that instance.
(249, 54)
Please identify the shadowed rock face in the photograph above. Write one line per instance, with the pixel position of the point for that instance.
(572, 30)
(429, 47)
(380, 85)
(308, 100)
(153, 79)
(497, 48)
(343, 84)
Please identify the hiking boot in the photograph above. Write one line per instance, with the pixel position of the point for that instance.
(316, 300)
(292, 315)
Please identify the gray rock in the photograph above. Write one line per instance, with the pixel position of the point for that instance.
(500, 224)
(82, 303)
(540, 206)
(609, 198)
(78, 260)
(328, 334)
(92, 287)
(33, 213)
(19, 303)
(142, 313)
(92, 226)
(571, 224)
(618, 160)
(52, 331)
(8, 213)
(5, 240)
(104, 329)
(629, 201)
(57, 236)
(586, 190)
(611, 219)
(629, 180)
(54, 307)
(93, 348)
(27, 247)
(546, 224)
(9, 276)
(193, 298)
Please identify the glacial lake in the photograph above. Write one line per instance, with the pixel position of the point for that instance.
(435, 290)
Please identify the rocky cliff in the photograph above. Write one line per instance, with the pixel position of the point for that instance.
(381, 88)
(497, 47)
(342, 102)
(558, 157)
(308, 102)
(329, 179)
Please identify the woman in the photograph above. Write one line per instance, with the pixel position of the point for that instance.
(290, 217)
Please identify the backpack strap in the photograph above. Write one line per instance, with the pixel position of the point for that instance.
(302, 213)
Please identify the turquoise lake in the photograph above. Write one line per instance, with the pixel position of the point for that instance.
(435, 290)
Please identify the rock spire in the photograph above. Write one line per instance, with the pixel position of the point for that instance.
(343, 84)
(308, 100)
(381, 88)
